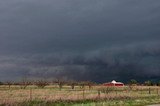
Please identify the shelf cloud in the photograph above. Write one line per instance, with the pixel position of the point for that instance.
(80, 40)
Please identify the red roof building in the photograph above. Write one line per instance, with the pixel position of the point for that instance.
(114, 83)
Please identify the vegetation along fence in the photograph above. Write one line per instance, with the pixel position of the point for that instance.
(17, 93)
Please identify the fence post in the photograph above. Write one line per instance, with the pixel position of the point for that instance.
(83, 94)
(105, 93)
(116, 91)
(76, 93)
(149, 90)
(99, 94)
(30, 94)
(157, 91)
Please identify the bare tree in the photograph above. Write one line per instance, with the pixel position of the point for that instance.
(72, 84)
(82, 84)
(61, 83)
(9, 83)
(89, 84)
(41, 83)
(24, 84)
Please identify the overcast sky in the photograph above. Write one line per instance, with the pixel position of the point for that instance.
(97, 40)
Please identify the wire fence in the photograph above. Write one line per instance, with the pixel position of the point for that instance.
(52, 93)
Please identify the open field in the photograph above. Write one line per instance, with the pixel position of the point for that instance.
(97, 95)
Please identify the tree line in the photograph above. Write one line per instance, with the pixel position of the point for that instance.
(60, 83)
(146, 83)
(43, 83)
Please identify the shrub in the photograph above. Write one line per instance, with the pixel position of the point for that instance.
(133, 82)
(148, 83)
(1, 83)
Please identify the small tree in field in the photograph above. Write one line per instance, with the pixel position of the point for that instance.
(1, 83)
(60, 83)
(132, 82)
(89, 84)
(72, 84)
(24, 84)
(41, 83)
(86, 83)
(9, 83)
(158, 83)
(148, 83)
(82, 84)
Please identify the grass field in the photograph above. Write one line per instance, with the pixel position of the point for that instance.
(97, 96)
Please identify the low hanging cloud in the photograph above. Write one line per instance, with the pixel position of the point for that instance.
(121, 63)
(80, 40)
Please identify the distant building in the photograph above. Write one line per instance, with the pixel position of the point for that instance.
(113, 83)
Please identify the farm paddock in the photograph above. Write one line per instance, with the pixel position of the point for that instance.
(52, 94)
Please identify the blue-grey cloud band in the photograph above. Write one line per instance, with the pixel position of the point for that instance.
(80, 40)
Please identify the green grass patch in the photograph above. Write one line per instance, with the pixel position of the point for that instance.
(96, 102)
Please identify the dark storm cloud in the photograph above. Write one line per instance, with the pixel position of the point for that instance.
(82, 40)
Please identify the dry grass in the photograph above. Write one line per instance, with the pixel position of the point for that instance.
(52, 93)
